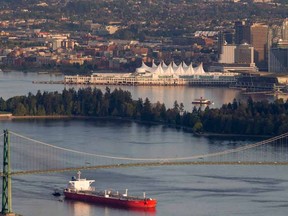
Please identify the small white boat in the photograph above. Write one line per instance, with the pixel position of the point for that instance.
(202, 101)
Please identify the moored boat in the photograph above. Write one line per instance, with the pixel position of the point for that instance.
(81, 190)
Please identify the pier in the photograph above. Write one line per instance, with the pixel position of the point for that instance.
(106, 79)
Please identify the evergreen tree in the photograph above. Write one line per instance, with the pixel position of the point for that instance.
(146, 113)
(20, 110)
(2, 104)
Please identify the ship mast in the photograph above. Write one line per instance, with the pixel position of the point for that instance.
(78, 175)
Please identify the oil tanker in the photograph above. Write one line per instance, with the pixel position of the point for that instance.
(81, 189)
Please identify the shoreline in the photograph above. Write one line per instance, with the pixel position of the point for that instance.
(204, 134)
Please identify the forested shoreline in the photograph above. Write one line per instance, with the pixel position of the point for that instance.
(238, 117)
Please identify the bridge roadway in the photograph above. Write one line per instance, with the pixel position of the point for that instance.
(165, 163)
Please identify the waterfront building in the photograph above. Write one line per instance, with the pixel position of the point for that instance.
(235, 58)
(227, 56)
(233, 67)
(160, 74)
(244, 54)
(258, 82)
(278, 58)
(259, 38)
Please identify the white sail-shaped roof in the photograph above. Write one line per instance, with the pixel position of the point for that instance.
(199, 69)
(144, 68)
(184, 65)
(169, 71)
(159, 70)
(153, 64)
(190, 70)
(175, 66)
(180, 70)
(164, 65)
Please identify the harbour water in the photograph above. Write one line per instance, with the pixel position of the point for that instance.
(18, 83)
(180, 190)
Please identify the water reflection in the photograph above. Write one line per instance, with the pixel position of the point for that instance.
(80, 208)
(17, 83)
(87, 209)
(208, 190)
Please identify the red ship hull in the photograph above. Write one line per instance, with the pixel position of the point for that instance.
(126, 202)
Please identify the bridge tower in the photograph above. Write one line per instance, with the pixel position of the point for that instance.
(6, 183)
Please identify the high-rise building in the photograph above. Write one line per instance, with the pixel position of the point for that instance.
(278, 58)
(229, 36)
(240, 54)
(227, 55)
(278, 61)
(235, 58)
(285, 29)
(259, 39)
(244, 54)
(242, 32)
(224, 37)
(238, 26)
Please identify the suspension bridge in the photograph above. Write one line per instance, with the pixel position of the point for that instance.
(23, 155)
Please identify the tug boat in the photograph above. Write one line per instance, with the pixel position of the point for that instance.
(56, 193)
(81, 190)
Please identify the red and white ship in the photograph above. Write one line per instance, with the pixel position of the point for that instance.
(80, 189)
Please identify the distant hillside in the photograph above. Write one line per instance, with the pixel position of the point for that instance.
(145, 17)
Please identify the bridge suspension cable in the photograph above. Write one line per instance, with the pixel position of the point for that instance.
(229, 151)
(32, 156)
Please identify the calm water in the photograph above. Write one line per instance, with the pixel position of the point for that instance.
(18, 83)
(180, 190)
